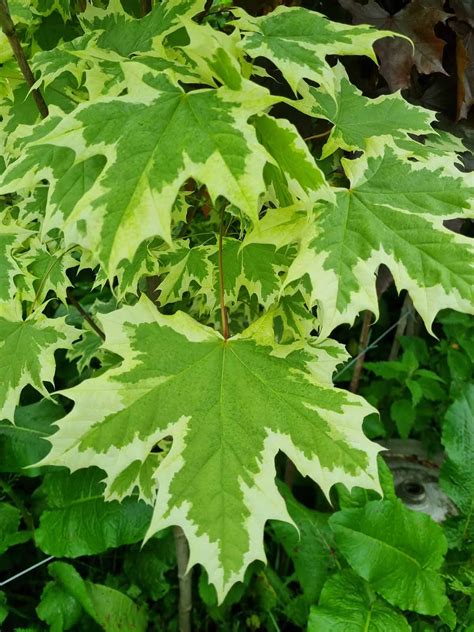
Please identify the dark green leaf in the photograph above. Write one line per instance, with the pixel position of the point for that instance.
(58, 608)
(403, 414)
(9, 524)
(311, 550)
(146, 567)
(348, 604)
(78, 521)
(3, 607)
(397, 550)
(23, 443)
(111, 609)
(457, 473)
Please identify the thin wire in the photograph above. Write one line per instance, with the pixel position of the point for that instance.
(372, 344)
(27, 570)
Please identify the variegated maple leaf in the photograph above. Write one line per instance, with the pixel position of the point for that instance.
(229, 406)
(116, 165)
(100, 57)
(357, 119)
(47, 272)
(391, 214)
(297, 41)
(293, 174)
(128, 36)
(27, 352)
(11, 236)
(257, 267)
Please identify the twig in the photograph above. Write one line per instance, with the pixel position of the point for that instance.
(184, 580)
(363, 341)
(402, 325)
(290, 473)
(321, 135)
(224, 315)
(372, 345)
(9, 30)
(414, 324)
(87, 317)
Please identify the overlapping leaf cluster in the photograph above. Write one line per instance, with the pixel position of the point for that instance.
(163, 133)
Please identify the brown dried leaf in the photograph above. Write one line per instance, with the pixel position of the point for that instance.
(464, 67)
(416, 21)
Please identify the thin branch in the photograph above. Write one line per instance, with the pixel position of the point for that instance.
(290, 473)
(363, 340)
(6, 23)
(372, 345)
(87, 317)
(224, 315)
(321, 135)
(414, 323)
(184, 580)
(402, 325)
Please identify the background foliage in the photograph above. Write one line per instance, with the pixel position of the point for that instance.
(333, 576)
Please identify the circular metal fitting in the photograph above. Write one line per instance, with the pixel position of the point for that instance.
(416, 478)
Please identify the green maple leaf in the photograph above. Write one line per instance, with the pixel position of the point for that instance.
(229, 406)
(297, 41)
(116, 165)
(393, 214)
(358, 119)
(27, 352)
